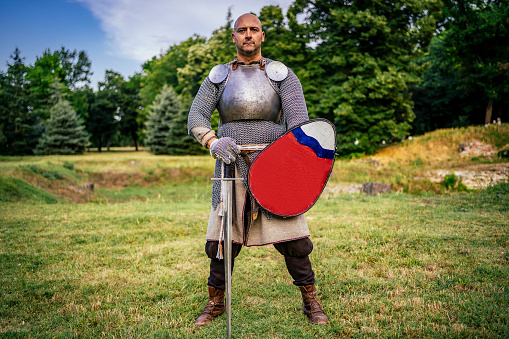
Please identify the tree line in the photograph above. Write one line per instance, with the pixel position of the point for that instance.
(379, 70)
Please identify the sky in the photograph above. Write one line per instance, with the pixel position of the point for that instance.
(116, 34)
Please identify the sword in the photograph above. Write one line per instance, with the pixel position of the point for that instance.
(227, 210)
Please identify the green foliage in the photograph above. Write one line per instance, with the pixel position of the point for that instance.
(68, 165)
(179, 142)
(164, 69)
(366, 53)
(450, 180)
(360, 63)
(466, 82)
(164, 109)
(50, 174)
(18, 122)
(101, 122)
(70, 68)
(130, 109)
(65, 133)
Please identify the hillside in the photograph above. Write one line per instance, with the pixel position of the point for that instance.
(417, 165)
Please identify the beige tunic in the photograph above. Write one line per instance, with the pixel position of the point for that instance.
(262, 231)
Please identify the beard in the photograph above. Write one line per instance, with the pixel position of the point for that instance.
(249, 49)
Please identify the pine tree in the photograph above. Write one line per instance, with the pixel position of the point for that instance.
(18, 123)
(157, 129)
(179, 142)
(65, 133)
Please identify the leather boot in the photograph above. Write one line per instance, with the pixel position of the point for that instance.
(214, 307)
(312, 307)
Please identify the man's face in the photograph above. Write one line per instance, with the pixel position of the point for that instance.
(248, 35)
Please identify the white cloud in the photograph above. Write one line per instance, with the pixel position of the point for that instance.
(139, 30)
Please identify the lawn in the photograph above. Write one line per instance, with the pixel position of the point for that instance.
(392, 265)
(127, 261)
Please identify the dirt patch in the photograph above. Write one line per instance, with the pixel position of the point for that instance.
(61, 188)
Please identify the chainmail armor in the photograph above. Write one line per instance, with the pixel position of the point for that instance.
(293, 112)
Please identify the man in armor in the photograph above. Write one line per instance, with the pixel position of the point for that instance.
(258, 100)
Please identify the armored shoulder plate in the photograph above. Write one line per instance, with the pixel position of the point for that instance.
(276, 71)
(218, 73)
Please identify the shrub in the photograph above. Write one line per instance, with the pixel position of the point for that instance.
(450, 180)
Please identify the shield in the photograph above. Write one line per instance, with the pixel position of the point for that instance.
(289, 175)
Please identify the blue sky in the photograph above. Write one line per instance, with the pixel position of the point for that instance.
(117, 34)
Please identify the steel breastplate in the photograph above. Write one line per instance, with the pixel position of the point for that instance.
(248, 95)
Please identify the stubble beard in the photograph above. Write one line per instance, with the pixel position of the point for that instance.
(248, 52)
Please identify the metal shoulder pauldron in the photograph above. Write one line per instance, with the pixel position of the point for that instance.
(276, 71)
(218, 73)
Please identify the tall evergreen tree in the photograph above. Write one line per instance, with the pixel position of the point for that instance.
(65, 133)
(18, 123)
(157, 129)
(179, 142)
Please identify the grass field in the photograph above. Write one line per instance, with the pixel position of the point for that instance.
(127, 260)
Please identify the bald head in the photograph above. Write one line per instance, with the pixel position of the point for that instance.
(247, 16)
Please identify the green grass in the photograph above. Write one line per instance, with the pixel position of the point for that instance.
(17, 190)
(128, 260)
(394, 265)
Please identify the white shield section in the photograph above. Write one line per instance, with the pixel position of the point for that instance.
(322, 131)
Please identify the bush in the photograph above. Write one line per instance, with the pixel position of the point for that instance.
(450, 180)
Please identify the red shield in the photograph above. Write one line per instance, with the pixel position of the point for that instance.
(289, 175)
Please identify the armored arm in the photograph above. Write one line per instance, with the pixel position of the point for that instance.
(198, 121)
(293, 104)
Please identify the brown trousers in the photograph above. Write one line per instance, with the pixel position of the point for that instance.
(295, 252)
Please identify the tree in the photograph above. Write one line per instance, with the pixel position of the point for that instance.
(157, 129)
(163, 70)
(467, 78)
(71, 68)
(364, 60)
(178, 141)
(103, 116)
(202, 57)
(65, 133)
(18, 123)
(130, 108)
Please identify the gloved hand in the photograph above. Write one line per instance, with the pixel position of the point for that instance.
(225, 149)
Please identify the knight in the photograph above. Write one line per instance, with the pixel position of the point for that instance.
(258, 100)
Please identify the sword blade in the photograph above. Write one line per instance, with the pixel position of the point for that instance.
(227, 227)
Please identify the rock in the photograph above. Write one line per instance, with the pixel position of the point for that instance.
(337, 190)
(89, 186)
(479, 178)
(475, 148)
(374, 188)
